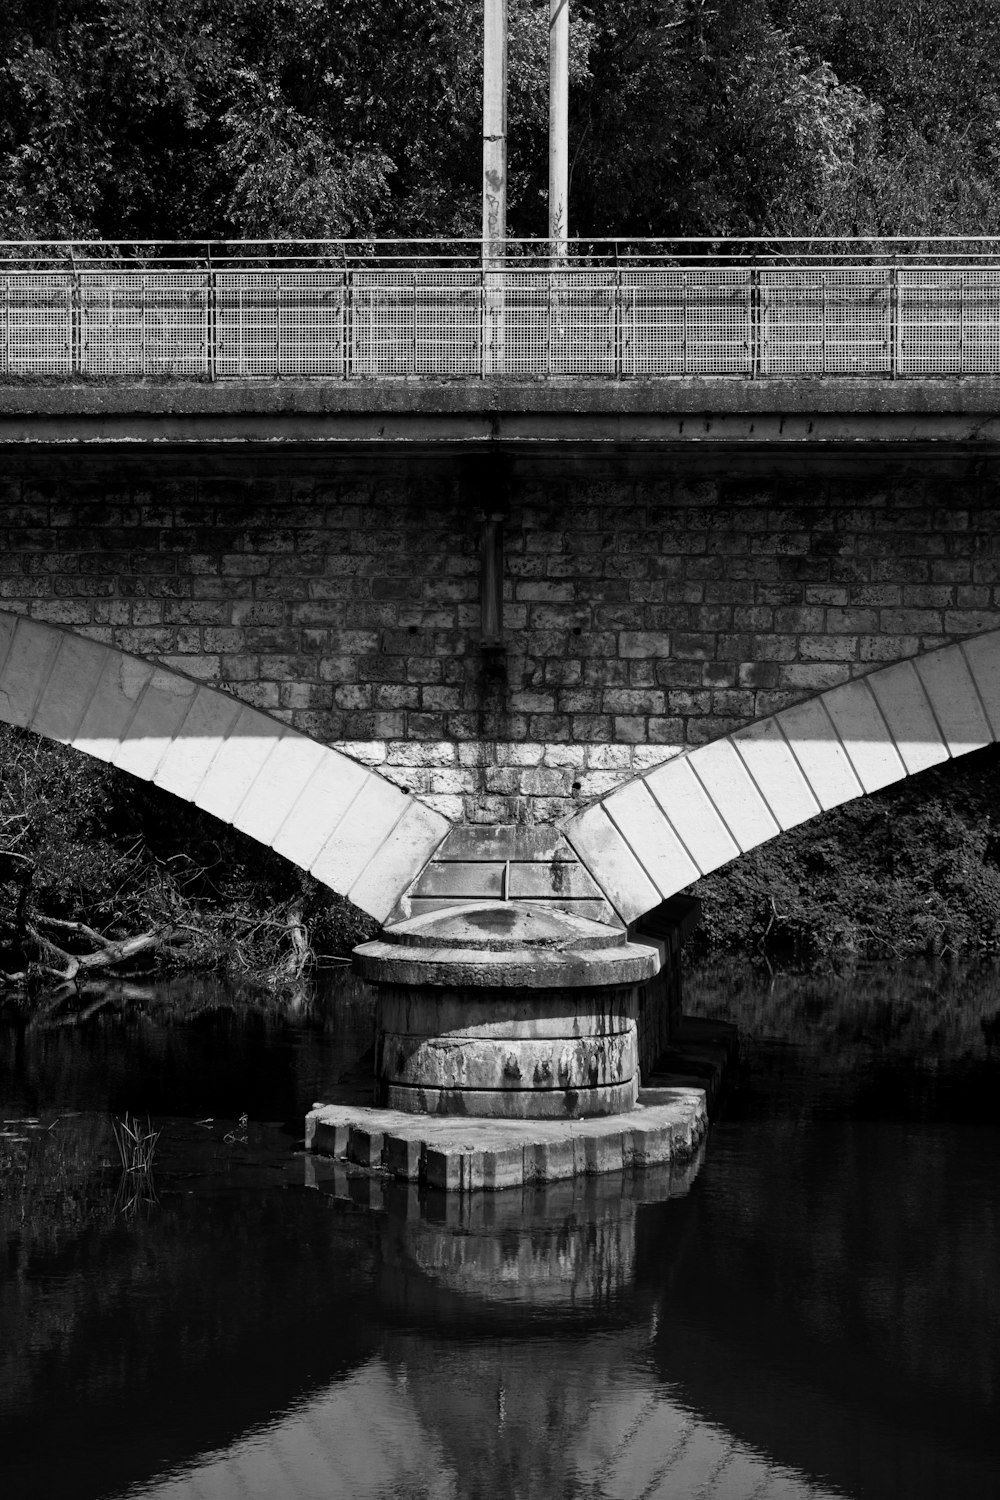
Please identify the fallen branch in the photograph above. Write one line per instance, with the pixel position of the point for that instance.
(66, 966)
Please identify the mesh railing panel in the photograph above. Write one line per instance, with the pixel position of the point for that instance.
(38, 323)
(550, 323)
(143, 322)
(279, 323)
(949, 321)
(735, 319)
(696, 322)
(415, 322)
(826, 322)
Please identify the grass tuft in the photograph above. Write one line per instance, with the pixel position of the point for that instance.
(136, 1146)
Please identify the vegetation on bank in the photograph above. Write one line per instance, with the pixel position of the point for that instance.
(911, 870)
(103, 873)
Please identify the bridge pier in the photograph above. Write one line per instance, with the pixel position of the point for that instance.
(511, 1042)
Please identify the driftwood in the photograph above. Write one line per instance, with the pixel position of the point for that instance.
(66, 968)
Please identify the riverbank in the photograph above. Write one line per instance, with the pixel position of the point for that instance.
(912, 870)
(102, 874)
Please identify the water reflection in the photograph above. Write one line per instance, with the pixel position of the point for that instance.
(812, 1310)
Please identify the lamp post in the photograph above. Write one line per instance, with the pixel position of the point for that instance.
(558, 128)
(494, 130)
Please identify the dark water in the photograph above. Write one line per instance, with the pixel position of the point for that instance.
(813, 1309)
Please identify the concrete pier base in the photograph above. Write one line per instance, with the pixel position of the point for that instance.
(465, 1155)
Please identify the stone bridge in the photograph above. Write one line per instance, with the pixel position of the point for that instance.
(579, 638)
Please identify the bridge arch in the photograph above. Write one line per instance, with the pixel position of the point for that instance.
(348, 826)
(656, 834)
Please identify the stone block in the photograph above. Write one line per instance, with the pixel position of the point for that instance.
(324, 800)
(356, 837)
(365, 1145)
(952, 693)
(160, 716)
(550, 1159)
(766, 754)
(237, 763)
(278, 786)
(642, 822)
(403, 1157)
(983, 659)
(602, 1150)
(904, 704)
(692, 814)
(325, 1135)
(645, 1144)
(185, 763)
(406, 848)
(601, 846)
(68, 688)
(864, 734)
(809, 731)
(452, 1171)
(112, 705)
(503, 1167)
(31, 650)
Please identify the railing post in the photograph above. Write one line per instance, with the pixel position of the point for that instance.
(278, 303)
(685, 299)
(895, 332)
(211, 320)
(348, 320)
(75, 321)
(6, 325)
(142, 325)
(482, 320)
(618, 332)
(413, 323)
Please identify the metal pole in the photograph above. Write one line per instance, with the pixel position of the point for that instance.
(494, 130)
(558, 127)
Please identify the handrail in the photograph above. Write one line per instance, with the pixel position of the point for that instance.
(592, 251)
(249, 315)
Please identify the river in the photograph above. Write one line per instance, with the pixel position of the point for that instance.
(810, 1309)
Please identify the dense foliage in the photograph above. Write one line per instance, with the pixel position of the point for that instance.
(91, 859)
(914, 869)
(170, 118)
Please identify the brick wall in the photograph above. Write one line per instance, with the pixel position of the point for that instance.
(649, 605)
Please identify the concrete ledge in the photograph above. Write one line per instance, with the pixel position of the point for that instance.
(593, 410)
(430, 395)
(465, 1155)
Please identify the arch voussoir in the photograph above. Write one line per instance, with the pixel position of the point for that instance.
(648, 839)
(351, 828)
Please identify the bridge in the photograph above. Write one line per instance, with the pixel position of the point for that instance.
(564, 580)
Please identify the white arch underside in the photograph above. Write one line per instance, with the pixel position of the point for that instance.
(349, 827)
(657, 834)
(360, 835)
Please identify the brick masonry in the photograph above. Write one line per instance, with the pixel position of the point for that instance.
(651, 604)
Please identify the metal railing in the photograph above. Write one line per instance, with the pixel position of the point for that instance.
(381, 310)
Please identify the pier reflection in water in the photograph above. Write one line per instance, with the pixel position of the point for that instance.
(812, 1310)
